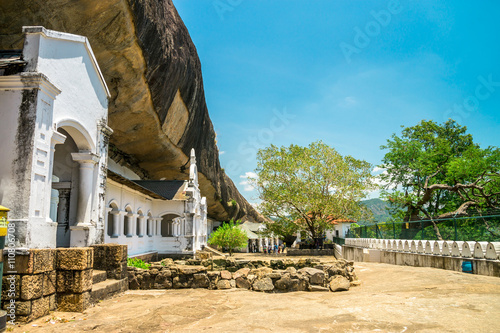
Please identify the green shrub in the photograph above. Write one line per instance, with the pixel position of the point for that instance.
(135, 262)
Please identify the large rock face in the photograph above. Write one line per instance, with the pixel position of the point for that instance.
(157, 109)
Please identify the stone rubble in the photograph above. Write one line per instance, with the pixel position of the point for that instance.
(281, 275)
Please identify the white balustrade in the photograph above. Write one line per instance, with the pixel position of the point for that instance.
(446, 250)
(492, 251)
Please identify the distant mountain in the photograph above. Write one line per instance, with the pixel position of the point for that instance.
(377, 206)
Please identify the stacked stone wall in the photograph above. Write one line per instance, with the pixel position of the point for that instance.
(280, 275)
(111, 258)
(29, 285)
(74, 278)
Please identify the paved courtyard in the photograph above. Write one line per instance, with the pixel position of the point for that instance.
(390, 299)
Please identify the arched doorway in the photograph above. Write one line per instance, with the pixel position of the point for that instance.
(74, 179)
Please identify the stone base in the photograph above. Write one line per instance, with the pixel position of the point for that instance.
(82, 236)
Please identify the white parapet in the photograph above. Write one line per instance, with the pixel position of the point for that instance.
(406, 246)
(467, 249)
(428, 247)
(421, 246)
(446, 250)
(492, 251)
(413, 247)
(437, 247)
(480, 250)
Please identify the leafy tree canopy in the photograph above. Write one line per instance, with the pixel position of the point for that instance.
(306, 188)
(436, 171)
(229, 236)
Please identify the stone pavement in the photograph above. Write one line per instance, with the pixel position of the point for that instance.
(389, 299)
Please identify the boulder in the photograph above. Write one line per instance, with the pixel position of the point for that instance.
(339, 283)
(200, 281)
(264, 284)
(316, 276)
(261, 272)
(226, 275)
(242, 283)
(243, 272)
(223, 284)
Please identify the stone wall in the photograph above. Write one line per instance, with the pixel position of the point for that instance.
(38, 281)
(29, 284)
(479, 266)
(111, 258)
(41, 280)
(310, 252)
(280, 275)
(74, 278)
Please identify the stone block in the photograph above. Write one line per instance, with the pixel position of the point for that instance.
(52, 302)
(32, 262)
(339, 283)
(73, 302)
(31, 286)
(189, 270)
(40, 307)
(265, 284)
(75, 258)
(225, 275)
(20, 308)
(182, 281)
(109, 256)
(49, 283)
(243, 283)
(243, 272)
(43, 260)
(223, 284)
(11, 286)
(201, 281)
(118, 273)
(74, 282)
(162, 281)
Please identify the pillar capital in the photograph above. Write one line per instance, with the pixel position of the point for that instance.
(57, 138)
(85, 158)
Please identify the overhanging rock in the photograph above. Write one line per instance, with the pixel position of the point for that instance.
(157, 108)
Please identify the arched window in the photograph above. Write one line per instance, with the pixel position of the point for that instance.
(140, 221)
(127, 228)
(114, 208)
(167, 225)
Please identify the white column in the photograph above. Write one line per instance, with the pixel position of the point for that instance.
(57, 138)
(140, 220)
(131, 217)
(158, 226)
(87, 163)
(116, 222)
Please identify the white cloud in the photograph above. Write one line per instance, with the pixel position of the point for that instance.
(222, 152)
(377, 169)
(246, 183)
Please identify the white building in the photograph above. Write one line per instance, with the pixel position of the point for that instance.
(53, 134)
(54, 168)
(155, 215)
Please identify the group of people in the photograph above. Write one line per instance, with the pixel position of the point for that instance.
(276, 249)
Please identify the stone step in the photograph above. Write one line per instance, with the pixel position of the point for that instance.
(106, 289)
(98, 276)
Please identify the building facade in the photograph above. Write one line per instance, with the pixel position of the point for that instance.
(55, 174)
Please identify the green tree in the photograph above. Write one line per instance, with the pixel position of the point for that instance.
(229, 236)
(306, 188)
(436, 171)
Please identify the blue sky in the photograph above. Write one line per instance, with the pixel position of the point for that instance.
(349, 73)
